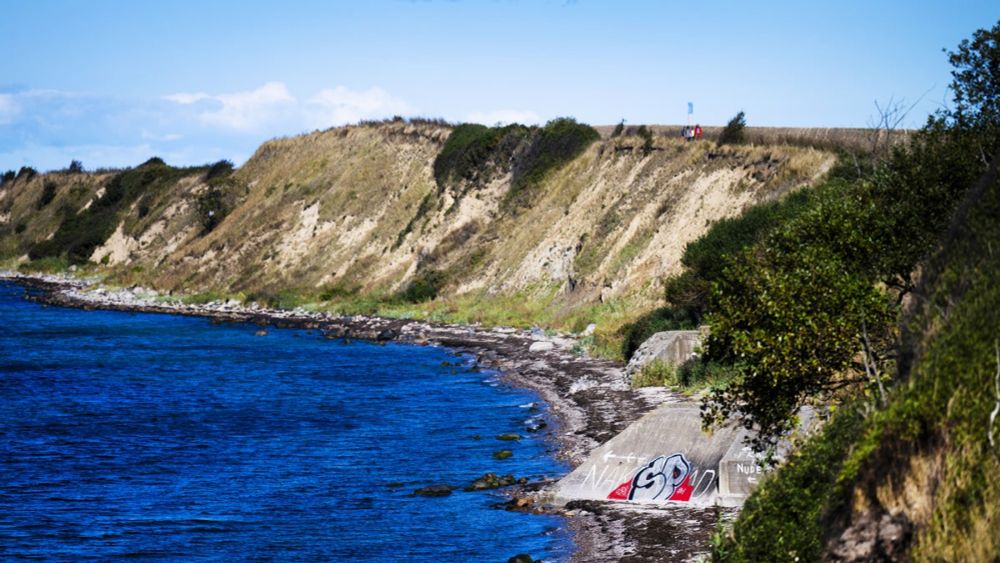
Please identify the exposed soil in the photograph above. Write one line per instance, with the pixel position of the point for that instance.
(588, 399)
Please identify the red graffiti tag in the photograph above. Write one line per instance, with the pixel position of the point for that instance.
(665, 478)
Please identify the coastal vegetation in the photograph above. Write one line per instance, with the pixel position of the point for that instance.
(81, 231)
(897, 272)
(476, 154)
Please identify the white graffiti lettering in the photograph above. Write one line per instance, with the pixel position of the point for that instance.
(659, 478)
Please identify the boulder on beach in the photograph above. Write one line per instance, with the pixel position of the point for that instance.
(434, 491)
(541, 346)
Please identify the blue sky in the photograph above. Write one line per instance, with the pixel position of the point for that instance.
(114, 82)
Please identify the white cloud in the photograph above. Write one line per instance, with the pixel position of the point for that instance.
(341, 105)
(274, 105)
(246, 111)
(150, 136)
(8, 109)
(48, 128)
(186, 99)
(504, 117)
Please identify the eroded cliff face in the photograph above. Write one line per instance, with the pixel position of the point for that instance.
(357, 209)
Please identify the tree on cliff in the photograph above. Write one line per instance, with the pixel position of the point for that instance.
(811, 310)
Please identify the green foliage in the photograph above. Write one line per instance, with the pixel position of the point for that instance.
(735, 131)
(338, 291)
(705, 258)
(935, 429)
(656, 373)
(48, 194)
(476, 152)
(221, 169)
(215, 203)
(75, 167)
(617, 131)
(783, 520)
(791, 322)
(976, 84)
(26, 173)
(424, 286)
(647, 139)
(284, 298)
(80, 233)
(203, 298)
(558, 142)
(48, 265)
(8, 176)
(804, 311)
(470, 149)
(698, 373)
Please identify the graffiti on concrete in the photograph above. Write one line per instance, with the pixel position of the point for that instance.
(662, 479)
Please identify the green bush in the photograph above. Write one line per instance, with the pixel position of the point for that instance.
(706, 258)
(215, 203)
(48, 194)
(220, 169)
(783, 520)
(735, 131)
(656, 373)
(647, 139)
(48, 265)
(26, 173)
(558, 142)
(471, 147)
(618, 130)
(476, 152)
(80, 233)
(424, 286)
(811, 311)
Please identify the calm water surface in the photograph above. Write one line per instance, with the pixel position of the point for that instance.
(163, 437)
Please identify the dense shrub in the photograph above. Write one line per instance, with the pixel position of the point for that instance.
(471, 147)
(26, 173)
(424, 286)
(475, 152)
(735, 131)
(618, 130)
(80, 233)
(647, 139)
(75, 167)
(705, 258)
(812, 309)
(8, 176)
(48, 194)
(783, 519)
(558, 142)
(220, 169)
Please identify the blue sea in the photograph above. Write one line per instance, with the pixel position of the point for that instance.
(172, 438)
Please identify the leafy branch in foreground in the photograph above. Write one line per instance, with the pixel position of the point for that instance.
(810, 311)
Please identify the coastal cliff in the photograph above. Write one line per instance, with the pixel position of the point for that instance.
(356, 215)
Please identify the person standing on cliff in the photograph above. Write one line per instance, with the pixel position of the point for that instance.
(697, 131)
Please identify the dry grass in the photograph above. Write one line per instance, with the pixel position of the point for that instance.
(825, 138)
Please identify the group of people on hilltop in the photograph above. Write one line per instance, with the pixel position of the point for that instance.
(691, 133)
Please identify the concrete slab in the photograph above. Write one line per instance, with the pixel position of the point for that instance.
(673, 347)
(663, 457)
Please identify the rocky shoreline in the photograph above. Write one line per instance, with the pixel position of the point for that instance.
(589, 400)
